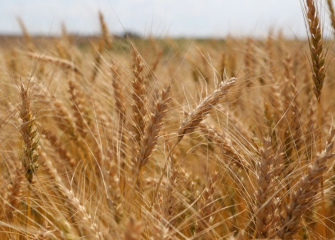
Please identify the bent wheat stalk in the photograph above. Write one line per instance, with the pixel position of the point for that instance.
(194, 119)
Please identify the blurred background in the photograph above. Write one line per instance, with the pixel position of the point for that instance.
(161, 18)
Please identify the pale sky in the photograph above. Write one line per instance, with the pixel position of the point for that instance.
(190, 18)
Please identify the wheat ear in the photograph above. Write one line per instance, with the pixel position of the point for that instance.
(104, 31)
(139, 98)
(79, 107)
(134, 229)
(194, 118)
(307, 189)
(331, 14)
(266, 217)
(316, 47)
(153, 128)
(30, 45)
(223, 143)
(66, 64)
(29, 135)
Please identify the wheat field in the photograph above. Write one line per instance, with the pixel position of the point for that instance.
(144, 138)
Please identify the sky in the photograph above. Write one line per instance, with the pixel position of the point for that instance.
(174, 18)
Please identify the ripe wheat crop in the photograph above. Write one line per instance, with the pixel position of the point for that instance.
(129, 138)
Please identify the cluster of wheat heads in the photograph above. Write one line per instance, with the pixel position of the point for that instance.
(112, 138)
